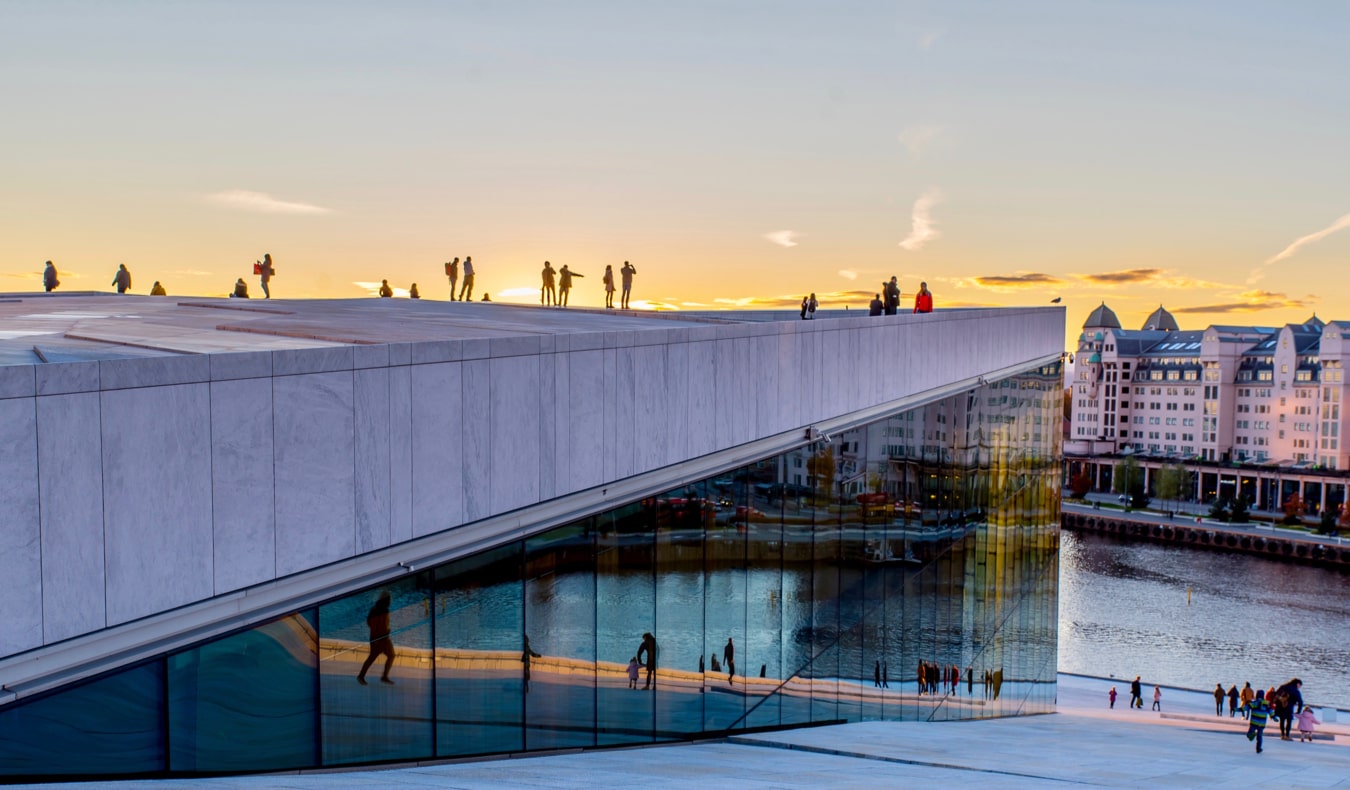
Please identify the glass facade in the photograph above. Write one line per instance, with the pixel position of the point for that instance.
(902, 570)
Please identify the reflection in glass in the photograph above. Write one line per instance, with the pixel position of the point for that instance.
(479, 660)
(903, 569)
(375, 673)
(247, 701)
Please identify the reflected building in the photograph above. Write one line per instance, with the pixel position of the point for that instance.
(892, 562)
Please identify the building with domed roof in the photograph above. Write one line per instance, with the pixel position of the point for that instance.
(1266, 397)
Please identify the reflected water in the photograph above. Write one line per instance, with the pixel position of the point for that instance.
(1123, 612)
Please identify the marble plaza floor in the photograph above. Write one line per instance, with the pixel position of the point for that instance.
(1083, 744)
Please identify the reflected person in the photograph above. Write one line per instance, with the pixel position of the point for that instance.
(646, 656)
(380, 642)
(729, 658)
(525, 657)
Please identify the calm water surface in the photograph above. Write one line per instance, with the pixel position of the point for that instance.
(1123, 612)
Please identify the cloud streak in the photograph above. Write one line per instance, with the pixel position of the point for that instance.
(1122, 277)
(922, 227)
(1340, 224)
(262, 203)
(1019, 280)
(783, 238)
(1254, 301)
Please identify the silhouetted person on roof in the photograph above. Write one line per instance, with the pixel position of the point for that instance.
(875, 306)
(609, 287)
(466, 293)
(122, 279)
(627, 272)
(891, 301)
(385, 290)
(565, 276)
(548, 295)
(49, 280)
(158, 290)
(412, 292)
(452, 272)
(923, 300)
(240, 289)
(265, 272)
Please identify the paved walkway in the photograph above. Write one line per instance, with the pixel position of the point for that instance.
(1083, 744)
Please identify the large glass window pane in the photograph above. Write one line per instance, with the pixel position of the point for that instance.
(679, 611)
(559, 639)
(627, 649)
(724, 607)
(479, 657)
(375, 674)
(764, 599)
(248, 701)
(798, 637)
(110, 726)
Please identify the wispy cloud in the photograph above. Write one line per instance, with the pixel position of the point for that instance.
(783, 238)
(918, 139)
(1254, 301)
(1288, 252)
(1121, 277)
(922, 227)
(263, 203)
(1158, 278)
(848, 274)
(1011, 281)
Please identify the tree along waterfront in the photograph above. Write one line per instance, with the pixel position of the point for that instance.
(1195, 618)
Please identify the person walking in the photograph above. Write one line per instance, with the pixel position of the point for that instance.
(1157, 699)
(452, 273)
(1247, 696)
(385, 290)
(1219, 695)
(525, 655)
(627, 273)
(1232, 701)
(885, 675)
(609, 287)
(632, 672)
(1307, 723)
(1111, 698)
(1288, 701)
(891, 290)
(466, 292)
(729, 659)
(875, 307)
(565, 276)
(1136, 694)
(548, 294)
(1259, 711)
(381, 643)
(923, 300)
(49, 280)
(876, 675)
(122, 279)
(265, 272)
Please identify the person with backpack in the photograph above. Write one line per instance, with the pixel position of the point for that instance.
(452, 272)
(265, 272)
(1258, 712)
(1287, 701)
(891, 292)
(122, 279)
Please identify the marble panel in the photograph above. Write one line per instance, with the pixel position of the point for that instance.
(159, 548)
(586, 412)
(243, 499)
(562, 424)
(70, 479)
(116, 374)
(724, 384)
(400, 453)
(61, 377)
(315, 475)
(450, 410)
(678, 390)
(743, 404)
(514, 346)
(241, 365)
(433, 351)
(586, 341)
(609, 427)
(651, 388)
(789, 379)
(764, 382)
(373, 478)
(548, 415)
(21, 531)
(18, 381)
(547, 344)
(370, 355)
(625, 414)
(400, 353)
(702, 424)
(475, 348)
(292, 362)
(515, 419)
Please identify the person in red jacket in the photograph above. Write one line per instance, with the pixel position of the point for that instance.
(923, 300)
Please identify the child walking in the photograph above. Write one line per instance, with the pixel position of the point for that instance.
(632, 672)
(1307, 722)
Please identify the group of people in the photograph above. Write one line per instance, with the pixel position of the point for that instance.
(888, 301)
(1284, 702)
(938, 679)
(121, 280)
(264, 269)
(549, 295)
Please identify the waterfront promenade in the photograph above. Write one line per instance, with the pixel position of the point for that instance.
(1083, 744)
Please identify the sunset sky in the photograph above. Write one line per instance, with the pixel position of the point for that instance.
(738, 153)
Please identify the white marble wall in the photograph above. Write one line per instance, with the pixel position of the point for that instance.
(131, 488)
